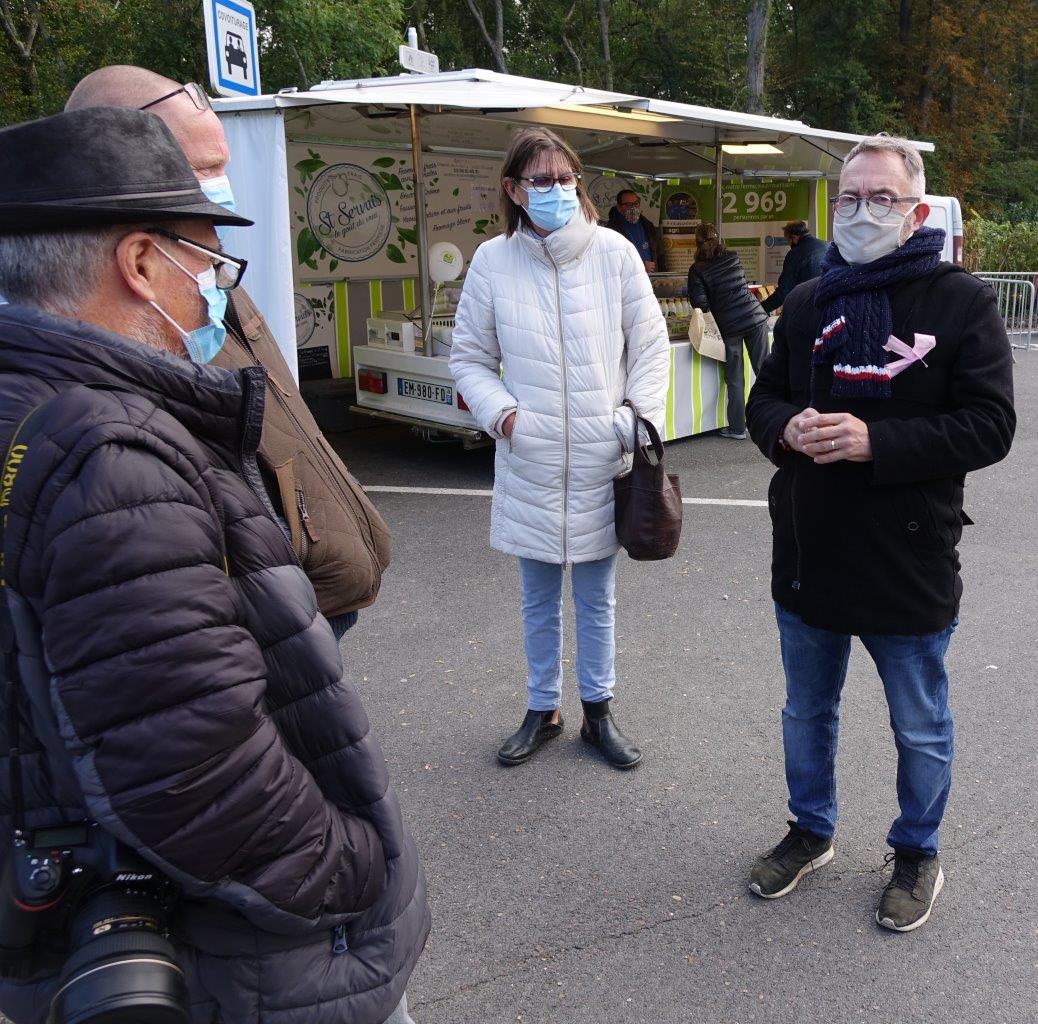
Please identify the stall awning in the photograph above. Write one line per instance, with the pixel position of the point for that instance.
(615, 131)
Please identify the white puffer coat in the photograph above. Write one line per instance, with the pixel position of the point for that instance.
(572, 322)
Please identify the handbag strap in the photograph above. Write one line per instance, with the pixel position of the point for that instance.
(650, 428)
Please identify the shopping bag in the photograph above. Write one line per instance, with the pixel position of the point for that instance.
(705, 336)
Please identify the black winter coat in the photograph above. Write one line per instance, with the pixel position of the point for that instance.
(182, 689)
(803, 262)
(870, 547)
(719, 286)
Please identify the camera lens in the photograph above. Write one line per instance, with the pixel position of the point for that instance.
(122, 970)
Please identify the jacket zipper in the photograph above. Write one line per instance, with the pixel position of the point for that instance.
(282, 396)
(565, 409)
(308, 533)
(250, 442)
(339, 942)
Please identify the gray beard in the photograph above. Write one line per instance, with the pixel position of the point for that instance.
(148, 328)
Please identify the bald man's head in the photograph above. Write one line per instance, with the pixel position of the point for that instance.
(120, 85)
(198, 131)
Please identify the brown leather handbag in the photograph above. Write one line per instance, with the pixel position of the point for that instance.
(648, 501)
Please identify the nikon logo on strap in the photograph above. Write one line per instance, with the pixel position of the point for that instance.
(15, 455)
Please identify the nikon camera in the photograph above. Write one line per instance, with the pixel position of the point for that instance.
(76, 901)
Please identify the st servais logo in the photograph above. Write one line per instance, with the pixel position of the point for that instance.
(349, 212)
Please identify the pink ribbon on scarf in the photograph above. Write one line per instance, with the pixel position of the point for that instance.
(923, 344)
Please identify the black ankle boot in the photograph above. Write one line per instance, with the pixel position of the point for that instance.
(601, 731)
(536, 730)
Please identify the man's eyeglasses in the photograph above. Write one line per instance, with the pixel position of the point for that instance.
(229, 269)
(628, 203)
(546, 182)
(880, 205)
(198, 96)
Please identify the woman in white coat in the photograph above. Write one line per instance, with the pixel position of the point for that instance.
(557, 327)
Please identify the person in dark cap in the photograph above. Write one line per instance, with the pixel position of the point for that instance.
(803, 262)
(176, 700)
(339, 537)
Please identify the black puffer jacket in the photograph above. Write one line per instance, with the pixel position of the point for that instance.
(182, 689)
(719, 286)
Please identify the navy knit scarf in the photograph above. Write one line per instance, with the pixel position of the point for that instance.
(855, 311)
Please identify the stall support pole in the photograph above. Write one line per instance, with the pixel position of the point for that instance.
(420, 226)
(718, 170)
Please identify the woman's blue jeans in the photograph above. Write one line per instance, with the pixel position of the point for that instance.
(593, 588)
(916, 687)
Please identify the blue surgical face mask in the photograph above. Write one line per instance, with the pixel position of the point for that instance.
(552, 210)
(203, 343)
(218, 190)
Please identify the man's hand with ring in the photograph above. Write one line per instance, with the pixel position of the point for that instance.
(834, 436)
(794, 428)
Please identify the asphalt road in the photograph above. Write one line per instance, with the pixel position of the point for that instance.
(563, 891)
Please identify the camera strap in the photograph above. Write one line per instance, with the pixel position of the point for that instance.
(13, 460)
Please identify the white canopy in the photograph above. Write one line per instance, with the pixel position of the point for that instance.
(614, 131)
(476, 112)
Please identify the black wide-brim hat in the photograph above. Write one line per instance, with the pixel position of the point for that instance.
(99, 165)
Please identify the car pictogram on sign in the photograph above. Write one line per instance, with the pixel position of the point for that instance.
(234, 54)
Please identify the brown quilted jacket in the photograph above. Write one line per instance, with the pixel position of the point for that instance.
(339, 537)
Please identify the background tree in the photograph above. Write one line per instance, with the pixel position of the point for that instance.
(963, 73)
(756, 45)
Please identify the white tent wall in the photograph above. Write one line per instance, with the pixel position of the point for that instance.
(259, 177)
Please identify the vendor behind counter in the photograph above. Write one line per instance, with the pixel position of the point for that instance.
(627, 218)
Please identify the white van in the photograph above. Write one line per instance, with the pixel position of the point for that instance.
(945, 213)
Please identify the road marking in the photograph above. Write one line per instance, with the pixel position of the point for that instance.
(471, 492)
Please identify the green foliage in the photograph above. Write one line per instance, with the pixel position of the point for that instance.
(1010, 186)
(963, 73)
(993, 245)
(301, 42)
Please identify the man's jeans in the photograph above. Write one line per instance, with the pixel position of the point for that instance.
(593, 584)
(916, 686)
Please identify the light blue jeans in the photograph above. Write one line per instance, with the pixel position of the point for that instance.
(593, 590)
(400, 1014)
(916, 686)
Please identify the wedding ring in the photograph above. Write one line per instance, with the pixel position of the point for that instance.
(832, 444)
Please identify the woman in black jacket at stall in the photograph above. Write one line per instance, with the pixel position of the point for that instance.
(716, 284)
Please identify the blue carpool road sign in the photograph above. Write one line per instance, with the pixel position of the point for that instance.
(230, 32)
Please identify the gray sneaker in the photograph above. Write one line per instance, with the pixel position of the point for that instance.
(910, 894)
(778, 871)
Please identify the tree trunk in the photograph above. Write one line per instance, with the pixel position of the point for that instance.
(603, 44)
(24, 43)
(1021, 114)
(926, 82)
(756, 43)
(569, 46)
(905, 22)
(497, 41)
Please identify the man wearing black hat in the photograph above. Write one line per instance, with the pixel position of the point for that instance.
(175, 699)
(340, 539)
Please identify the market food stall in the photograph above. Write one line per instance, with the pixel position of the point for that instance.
(352, 183)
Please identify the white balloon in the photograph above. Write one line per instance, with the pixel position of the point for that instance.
(446, 262)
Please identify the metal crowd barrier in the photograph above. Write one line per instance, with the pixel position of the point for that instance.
(1016, 304)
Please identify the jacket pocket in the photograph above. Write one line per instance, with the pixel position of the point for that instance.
(513, 438)
(908, 511)
(296, 508)
(779, 499)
